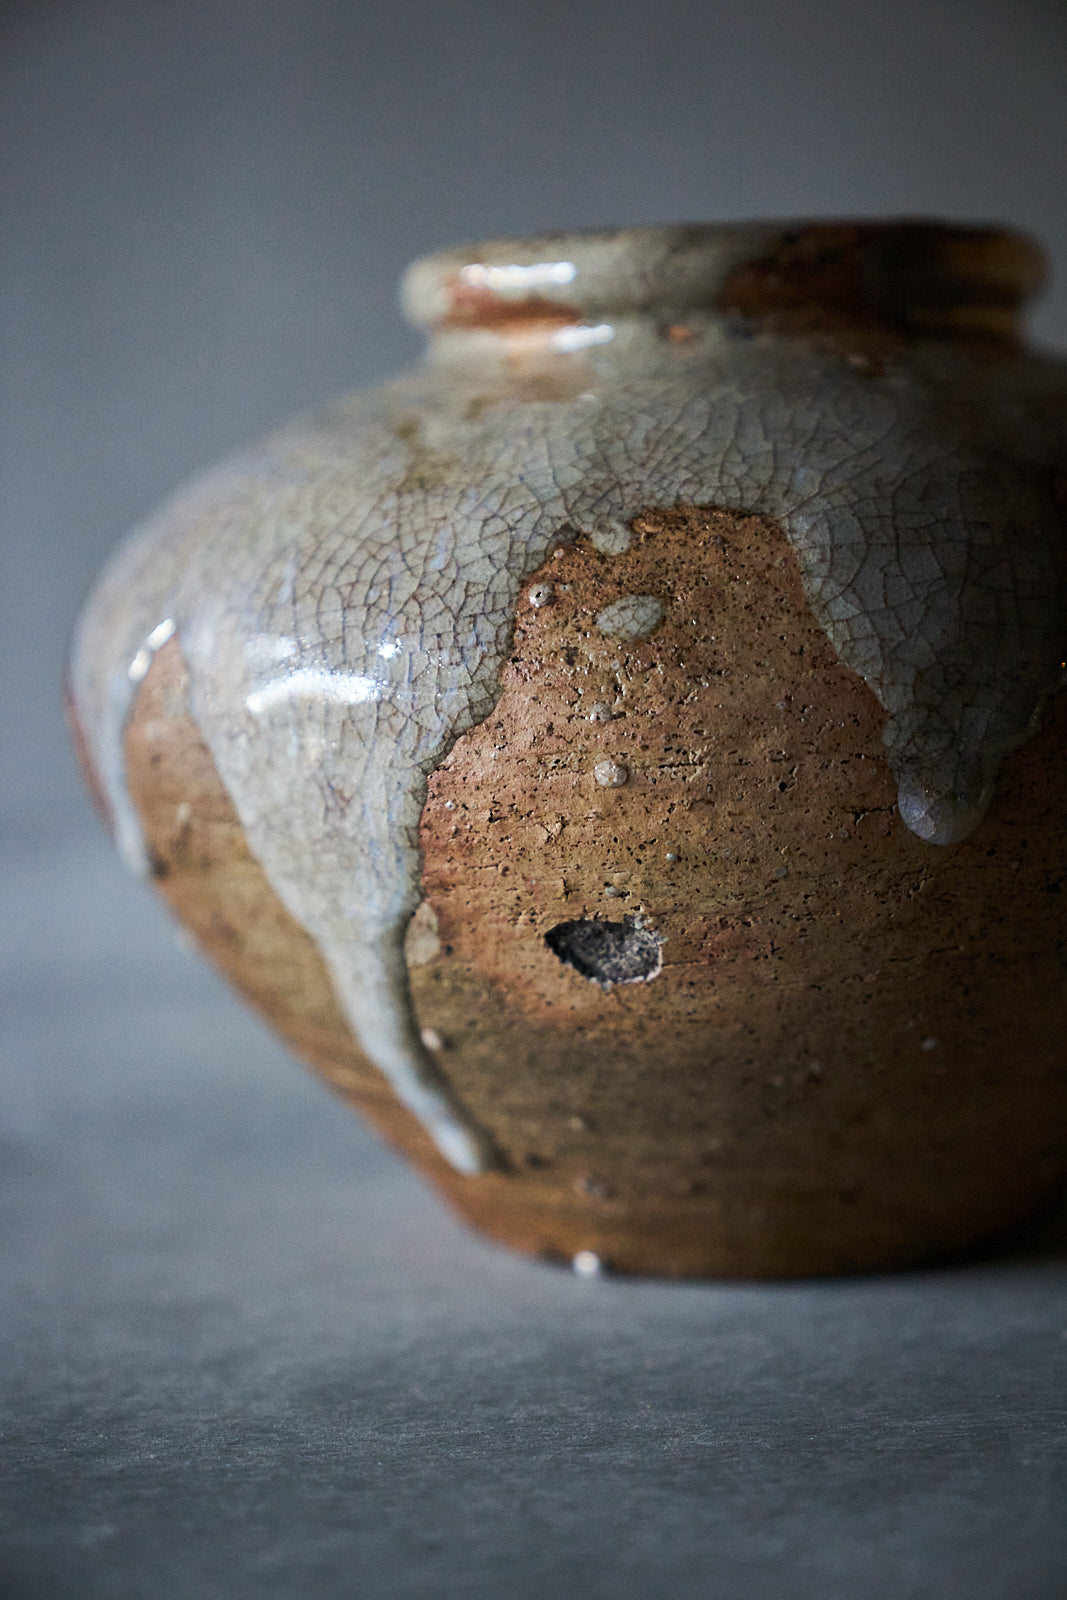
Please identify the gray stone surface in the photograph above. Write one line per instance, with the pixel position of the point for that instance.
(243, 1353)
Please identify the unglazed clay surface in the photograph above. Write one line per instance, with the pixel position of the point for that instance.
(345, 595)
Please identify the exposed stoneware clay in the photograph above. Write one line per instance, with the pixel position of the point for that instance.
(651, 629)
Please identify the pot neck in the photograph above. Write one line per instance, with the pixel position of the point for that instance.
(906, 279)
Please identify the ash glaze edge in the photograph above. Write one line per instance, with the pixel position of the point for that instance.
(344, 595)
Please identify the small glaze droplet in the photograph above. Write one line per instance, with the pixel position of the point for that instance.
(432, 1039)
(422, 941)
(633, 617)
(942, 815)
(611, 774)
(541, 594)
(587, 1264)
(611, 536)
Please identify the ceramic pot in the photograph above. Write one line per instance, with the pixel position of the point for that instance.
(623, 754)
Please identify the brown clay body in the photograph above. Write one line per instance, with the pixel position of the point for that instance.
(715, 1009)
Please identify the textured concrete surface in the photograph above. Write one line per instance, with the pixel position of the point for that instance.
(245, 1353)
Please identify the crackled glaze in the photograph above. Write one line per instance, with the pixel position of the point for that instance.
(344, 595)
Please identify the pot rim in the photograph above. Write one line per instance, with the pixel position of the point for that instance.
(915, 273)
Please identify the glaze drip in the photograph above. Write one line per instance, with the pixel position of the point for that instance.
(344, 595)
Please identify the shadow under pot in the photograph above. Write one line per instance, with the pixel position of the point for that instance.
(624, 754)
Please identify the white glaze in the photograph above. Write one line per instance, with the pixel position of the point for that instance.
(632, 616)
(344, 595)
(611, 774)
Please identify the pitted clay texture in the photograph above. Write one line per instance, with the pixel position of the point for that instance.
(344, 595)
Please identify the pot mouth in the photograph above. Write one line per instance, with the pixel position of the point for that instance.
(910, 274)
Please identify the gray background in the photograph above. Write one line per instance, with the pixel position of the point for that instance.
(242, 1351)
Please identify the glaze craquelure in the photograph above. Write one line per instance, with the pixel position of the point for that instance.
(344, 595)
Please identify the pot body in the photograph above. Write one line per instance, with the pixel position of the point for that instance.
(624, 755)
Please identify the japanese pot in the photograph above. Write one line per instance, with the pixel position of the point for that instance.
(624, 754)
